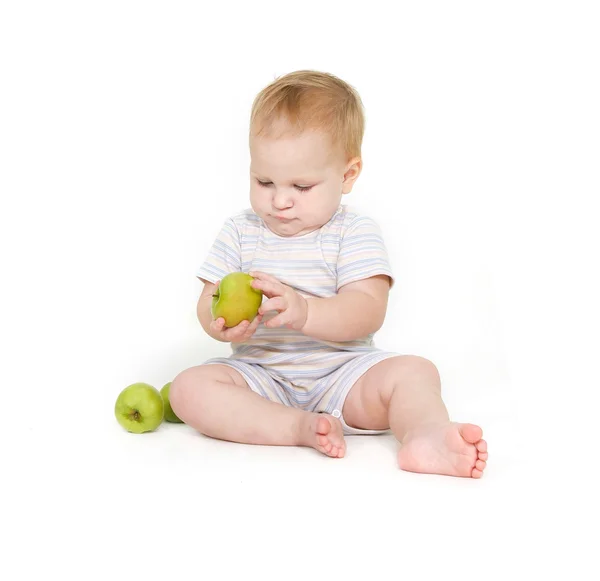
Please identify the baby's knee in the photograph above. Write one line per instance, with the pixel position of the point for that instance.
(181, 388)
(407, 368)
(417, 362)
(420, 366)
(193, 388)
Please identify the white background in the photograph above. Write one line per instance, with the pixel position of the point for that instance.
(123, 147)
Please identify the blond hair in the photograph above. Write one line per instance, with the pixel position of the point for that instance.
(309, 100)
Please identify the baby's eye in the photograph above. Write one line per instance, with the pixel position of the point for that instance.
(299, 188)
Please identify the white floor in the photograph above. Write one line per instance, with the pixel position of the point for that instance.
(93, 501)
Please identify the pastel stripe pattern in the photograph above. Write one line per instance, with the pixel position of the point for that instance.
(282, 364)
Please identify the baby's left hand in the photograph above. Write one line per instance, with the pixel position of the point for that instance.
(292, 306)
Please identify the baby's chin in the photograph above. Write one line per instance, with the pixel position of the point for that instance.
(291, 228)
(286, 229)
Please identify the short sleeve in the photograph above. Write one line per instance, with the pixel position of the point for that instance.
(224, 255)
(362, 253)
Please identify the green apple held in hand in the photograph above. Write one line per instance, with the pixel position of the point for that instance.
(139, 408)
(235, 300)
(169, 413)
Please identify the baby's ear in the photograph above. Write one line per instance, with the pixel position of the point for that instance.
(353, 169)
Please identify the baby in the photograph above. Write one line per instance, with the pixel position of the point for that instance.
(305, 371)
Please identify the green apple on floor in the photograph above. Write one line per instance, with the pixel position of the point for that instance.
(139, 408)
(169, 413)
(235, 299)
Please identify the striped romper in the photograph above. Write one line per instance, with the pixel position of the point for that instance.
(281, 364)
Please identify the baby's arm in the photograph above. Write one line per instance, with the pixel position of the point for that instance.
(356, 311)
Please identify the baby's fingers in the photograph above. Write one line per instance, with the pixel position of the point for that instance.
(237, 332)
(253, 326)
(245, 330)
(217, 325)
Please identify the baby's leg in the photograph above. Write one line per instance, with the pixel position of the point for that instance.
(216, 400)
(404, 393)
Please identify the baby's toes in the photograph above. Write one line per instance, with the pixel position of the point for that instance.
(482, 456)
(338, 451)
(329, 438)
(325, 443)
(481, 446)
(331, 450)
(480, 465)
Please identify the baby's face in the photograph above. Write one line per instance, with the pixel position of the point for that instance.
(297, 182)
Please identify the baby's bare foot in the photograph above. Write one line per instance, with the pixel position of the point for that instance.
(325, 434)
(452, 449)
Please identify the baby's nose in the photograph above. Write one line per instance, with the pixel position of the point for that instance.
(281, 200)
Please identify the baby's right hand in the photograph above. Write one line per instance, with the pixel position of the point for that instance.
(238, 334)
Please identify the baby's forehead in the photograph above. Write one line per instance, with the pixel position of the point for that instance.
(298, 169)
(293, 152)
